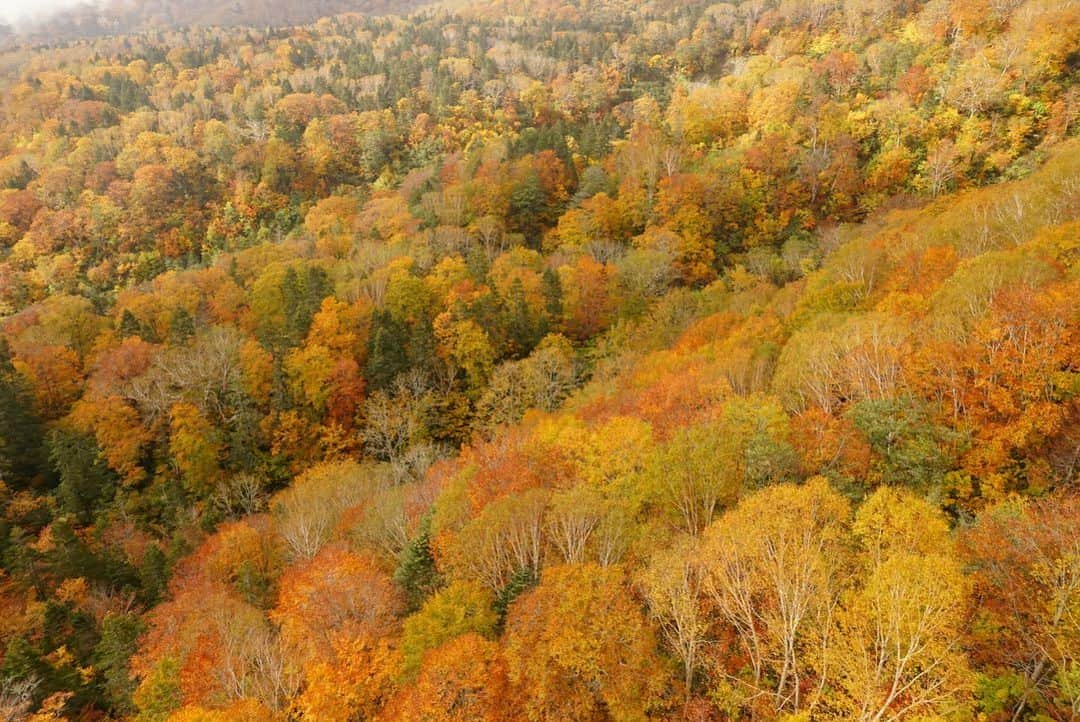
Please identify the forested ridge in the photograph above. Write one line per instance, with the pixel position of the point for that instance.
(530, 361)
(95, 18)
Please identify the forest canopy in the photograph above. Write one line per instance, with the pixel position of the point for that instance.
(516, 360)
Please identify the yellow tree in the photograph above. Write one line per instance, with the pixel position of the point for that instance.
(119, 432)
(467, 345)
(333, 222)
(897, 639)
(195, 447)
(464, 680)
(672, 584)
(460, 608)
(307, 512)
(696, 475)
(572, 518)
(352, 683)
(578, 647)
(245, 710)
(505, 538)
(773, 570)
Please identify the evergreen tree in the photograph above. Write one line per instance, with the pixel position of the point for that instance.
(528, 203)
(119, 641)
(416, 572)
(21, 452)
(291, 301)
(85, 480)
(523, 329)
(553, 295)
(182, 327)
(386, 350)
(129, 325)
(420, 350)
(153, 574)
(302, 295)
(520, 582)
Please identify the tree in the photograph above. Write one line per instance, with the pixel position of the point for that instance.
(537, 194)
(386, 354)
(706, 114)
(20, 429)
(1012, 400)
(182, 326)
(578, 647)
(308, 511)
(245, 555)
(505, 538)
(244, 710)
(672, 584)
(698, 474)
(460, 608)
(332, 599)
(333, 222)
(85, 480)
(553, 296)
(773, 570)
(572, 518)
(1025, 576)
(705, 467)
(464, 680)
(354, 682)
(119, 640)
(16, 697)
(196, 449)
(207, 646)
(897, 645)
(524, 327)
(393, 425)
(158, 694)
(285, 299)
(54, 375)
(541, 381)
(467, 346)
(327, 382)
(911, 449)
(587, 301)
(118, 430)
(417, 573)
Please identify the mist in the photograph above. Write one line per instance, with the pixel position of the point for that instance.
(18, 12)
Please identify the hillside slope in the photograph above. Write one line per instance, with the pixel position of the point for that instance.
(745, 444)
(527, 360)
(117, 17)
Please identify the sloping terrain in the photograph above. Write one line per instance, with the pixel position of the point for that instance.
(117, 17)
(595, 361)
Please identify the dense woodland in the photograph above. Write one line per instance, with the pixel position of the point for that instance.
(524, 361)
(93, 18)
